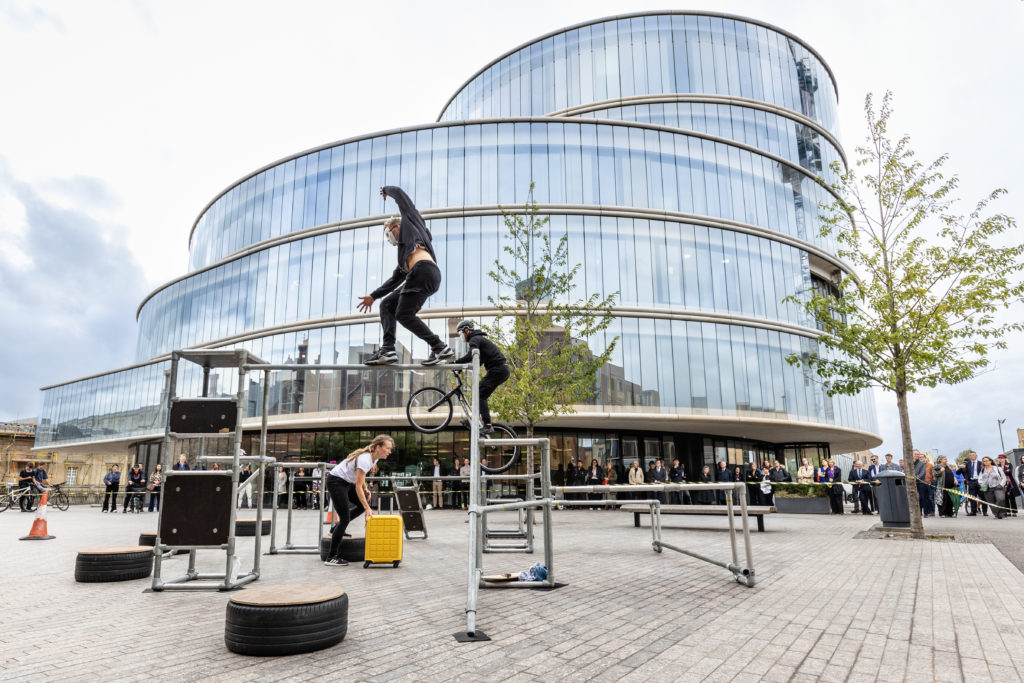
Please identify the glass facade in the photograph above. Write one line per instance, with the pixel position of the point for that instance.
(701, 214)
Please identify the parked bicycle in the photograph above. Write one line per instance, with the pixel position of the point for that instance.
(430, 410)
(56, 497)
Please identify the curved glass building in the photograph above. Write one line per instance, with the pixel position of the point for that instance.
(679, 152)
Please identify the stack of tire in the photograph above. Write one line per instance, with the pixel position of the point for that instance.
(352, 549)
(247, 527)
(114, 563)
(285, 620)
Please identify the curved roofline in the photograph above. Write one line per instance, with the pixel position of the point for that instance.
(501, 119)
(653, 13)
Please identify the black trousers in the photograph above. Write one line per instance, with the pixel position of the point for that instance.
(863, 493)
(343, 496)
(974, 489)
(29, 499)
(402, 305)
(111, 497)
(491, 381)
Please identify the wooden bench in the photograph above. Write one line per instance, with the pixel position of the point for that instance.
(756, 511)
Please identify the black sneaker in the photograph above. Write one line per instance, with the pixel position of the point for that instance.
(382, 357)
(337, 562)
(486, 429)
(436, 357)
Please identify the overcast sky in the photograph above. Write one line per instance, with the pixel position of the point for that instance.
(120, 120)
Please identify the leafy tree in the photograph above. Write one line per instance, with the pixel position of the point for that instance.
(961, 458)
(541, 331)
(925, 309)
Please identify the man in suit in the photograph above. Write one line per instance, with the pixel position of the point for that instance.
(834, 476)
(754, 477)
(722, 476)
(676, 475)
(861, 488)
(971, 469)
(873, 470)
(659, 475)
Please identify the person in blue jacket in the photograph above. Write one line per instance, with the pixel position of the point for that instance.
(113, 481)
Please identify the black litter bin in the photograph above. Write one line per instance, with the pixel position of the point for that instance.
(893, 504)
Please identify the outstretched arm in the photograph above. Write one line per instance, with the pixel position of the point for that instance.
(405, 204)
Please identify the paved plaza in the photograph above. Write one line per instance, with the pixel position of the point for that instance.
(828, 606)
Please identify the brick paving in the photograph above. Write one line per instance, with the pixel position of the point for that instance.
(828, 606)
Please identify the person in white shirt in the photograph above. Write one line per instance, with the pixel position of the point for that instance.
(346, 484)
(438, 485)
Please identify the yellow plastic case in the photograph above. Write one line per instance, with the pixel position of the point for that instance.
(383, 540)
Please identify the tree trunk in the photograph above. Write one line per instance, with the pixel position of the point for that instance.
(916, 525)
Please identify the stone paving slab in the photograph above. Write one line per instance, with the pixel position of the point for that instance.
(828, 606)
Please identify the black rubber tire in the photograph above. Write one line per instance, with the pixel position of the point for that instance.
(285, 629)
(113, 567)
(147, 539)
(507, 456)
(429, 396)
(247, 527)
(352, 549)
(5, 502)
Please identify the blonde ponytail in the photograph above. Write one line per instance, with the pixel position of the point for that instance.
(378, 440)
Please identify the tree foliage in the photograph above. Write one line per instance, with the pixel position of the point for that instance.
(542, 330)
(924, 304)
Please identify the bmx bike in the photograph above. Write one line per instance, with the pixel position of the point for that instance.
(430, 410)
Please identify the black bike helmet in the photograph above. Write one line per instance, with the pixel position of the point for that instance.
(464, 325)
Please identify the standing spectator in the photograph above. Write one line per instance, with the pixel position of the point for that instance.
(594, 476)
(722, 476)
(318, 475)
(1011, 486)
(611, 478)
(182, 463)
(972, 471)
(805, 473)
(737, 473)
(155, 481)
(282, 489)
(245, 487)
(659, 475)
(134, 487)
(820, 475)
(636, 476)
(465, 472)
(945, 478)
(27, 478)
(112, 479)
(705, 496)
(42, 483)
(780, 474)
(889, 465)
(676, 475)
(301, 489)
(873, 470)
(923, 475)
(834, 477)
(992, 480)
(859, 479)
(437, 485)
(453, 485)
(754, 478)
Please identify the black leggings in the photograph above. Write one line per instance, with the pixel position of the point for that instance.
(402, 305)
(343, 496)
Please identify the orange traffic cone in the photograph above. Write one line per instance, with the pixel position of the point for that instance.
(38, 532)
(330, 518)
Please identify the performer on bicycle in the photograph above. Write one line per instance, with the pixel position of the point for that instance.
(416, 278)
(493, 361)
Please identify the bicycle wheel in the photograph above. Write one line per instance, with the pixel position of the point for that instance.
(5, 501)
(429, 410)
(61, 500)
(502, 458)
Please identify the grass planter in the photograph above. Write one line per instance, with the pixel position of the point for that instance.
(802, 499)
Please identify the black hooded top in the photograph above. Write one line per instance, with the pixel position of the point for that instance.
(490, 355)
(412, 234)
